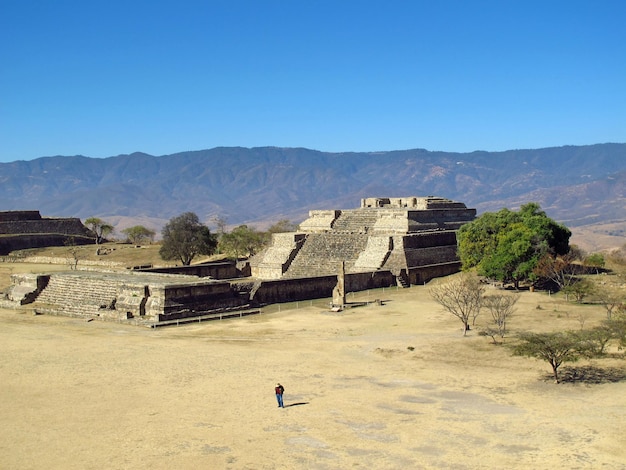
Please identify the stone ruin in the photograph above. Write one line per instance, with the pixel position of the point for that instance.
(20, 230)
(148, 298)
(414, 238)
(386, 242)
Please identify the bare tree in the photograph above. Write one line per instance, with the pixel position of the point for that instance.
(72, 255)
(559, 270)
(220, 223)
(501, 308)
(461, 297)
(610, 300)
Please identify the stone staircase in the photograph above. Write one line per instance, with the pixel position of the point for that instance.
(375, 254)
(355, 221)
(276, 259)
(322, 253)
(401, 281)
(76, 295)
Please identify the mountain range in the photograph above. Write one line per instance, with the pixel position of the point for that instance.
(580, 186)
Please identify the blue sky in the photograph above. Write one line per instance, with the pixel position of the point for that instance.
(102, 78)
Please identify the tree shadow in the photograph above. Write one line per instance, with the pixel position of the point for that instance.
(589, 375)
(297, 404)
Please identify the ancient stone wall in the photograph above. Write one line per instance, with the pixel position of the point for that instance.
(9, 243)
(216, 270)
(7, 216)
(423, 274)
(421, 203)
(292, 290)
(70, 226)
(27, 229)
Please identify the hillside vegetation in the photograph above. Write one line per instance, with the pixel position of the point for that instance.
(579, 186)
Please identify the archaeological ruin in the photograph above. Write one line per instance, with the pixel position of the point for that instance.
(20, 230)
(385, 242)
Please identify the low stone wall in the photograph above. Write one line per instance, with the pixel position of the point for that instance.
(429, 239)
(20, 230)
(19, 215)
(291, 290)
(69, 226)
(218, 270)
(84, 264)
(9, 243)
(423, 274)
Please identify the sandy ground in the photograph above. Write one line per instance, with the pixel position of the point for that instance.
(94, 395)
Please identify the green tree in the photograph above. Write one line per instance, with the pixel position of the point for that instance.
(184, 238)
(554, 348)
(99, 227)
(461, 297)
(595, 261)
(507, 245)
(138, 234)
(283, 226)
(579, 289)
(593, 342)
(618, 327)
(242, 241)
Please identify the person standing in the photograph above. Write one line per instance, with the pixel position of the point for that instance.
(279, 395)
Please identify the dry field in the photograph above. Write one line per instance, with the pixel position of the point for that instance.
(395, 386)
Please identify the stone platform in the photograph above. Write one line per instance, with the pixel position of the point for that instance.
(409, 236)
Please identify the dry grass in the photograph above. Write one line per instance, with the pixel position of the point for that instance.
(125, 254)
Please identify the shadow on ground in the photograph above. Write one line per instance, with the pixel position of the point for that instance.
(297, 404)
(589, 375)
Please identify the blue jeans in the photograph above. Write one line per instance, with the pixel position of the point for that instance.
(279, 398)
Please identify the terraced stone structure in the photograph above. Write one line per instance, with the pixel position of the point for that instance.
(28, 229)
(414, 238)
(149, 298)
(385, 242)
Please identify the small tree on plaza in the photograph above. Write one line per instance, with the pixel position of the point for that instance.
(554, 348)
(501, 307)
(462, 297)
(72, 256)
(610, 300)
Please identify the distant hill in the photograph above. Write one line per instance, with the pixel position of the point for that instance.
(576, 185)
